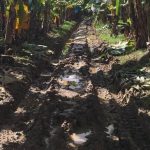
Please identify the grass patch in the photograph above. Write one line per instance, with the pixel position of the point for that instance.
(130, 54)
(134, 56)
(63, 29)
(105, 34)
(66, 49)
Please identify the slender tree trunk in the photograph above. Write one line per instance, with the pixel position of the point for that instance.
(148, 19)
(35, 21)
(10, 27)
(62, 17)
(46, 25)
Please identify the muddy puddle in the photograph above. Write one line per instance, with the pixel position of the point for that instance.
(71, 81)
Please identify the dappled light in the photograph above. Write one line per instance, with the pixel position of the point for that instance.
(74, 75)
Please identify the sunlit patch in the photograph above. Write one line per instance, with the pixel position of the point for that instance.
(80, 37)
(80, 139)
(115, 138)
(67, 93)
(34, 89)
(9, 136)
(93, 70)
(79, 64)
(18, 75)
(5, 97)
(78, 42)
(145, 69)
(104, 94)
(63, 82)
(20, 110)
(30, 122)
(71, 145)
(143, 111)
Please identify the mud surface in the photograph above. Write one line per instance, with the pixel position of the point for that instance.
(73, 106)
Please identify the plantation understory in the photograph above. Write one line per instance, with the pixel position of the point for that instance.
(83, 100)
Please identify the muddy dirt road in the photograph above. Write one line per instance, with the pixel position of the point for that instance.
(73, 106)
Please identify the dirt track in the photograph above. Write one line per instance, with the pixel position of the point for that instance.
(73, 97)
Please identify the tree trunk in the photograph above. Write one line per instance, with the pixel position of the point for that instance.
(3, 18)
(148, 19)
(10, 28)
(139, 23)
(46, 24)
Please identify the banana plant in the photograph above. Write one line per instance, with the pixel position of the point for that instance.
(118, 4)
(42, 13)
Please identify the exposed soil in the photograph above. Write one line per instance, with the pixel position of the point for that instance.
(70, 104)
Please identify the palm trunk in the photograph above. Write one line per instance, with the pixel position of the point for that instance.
(10, 27)
(142, 36)
(148, 20)
(137, 15)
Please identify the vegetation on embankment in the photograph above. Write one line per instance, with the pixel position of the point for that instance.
(105, 34)
(131, 72)
(133, 56)
(57, 38)
(63, 30)
(130, 54)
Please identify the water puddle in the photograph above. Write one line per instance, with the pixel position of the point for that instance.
(72, 81)
(110, 130)
(46, 74)
(80, 139)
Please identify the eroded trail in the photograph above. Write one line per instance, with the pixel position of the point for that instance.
(71, 104)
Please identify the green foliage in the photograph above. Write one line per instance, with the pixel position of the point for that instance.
(132, 56)
(105, 33)
(118, 2)
(62, 30)
(20, 11)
